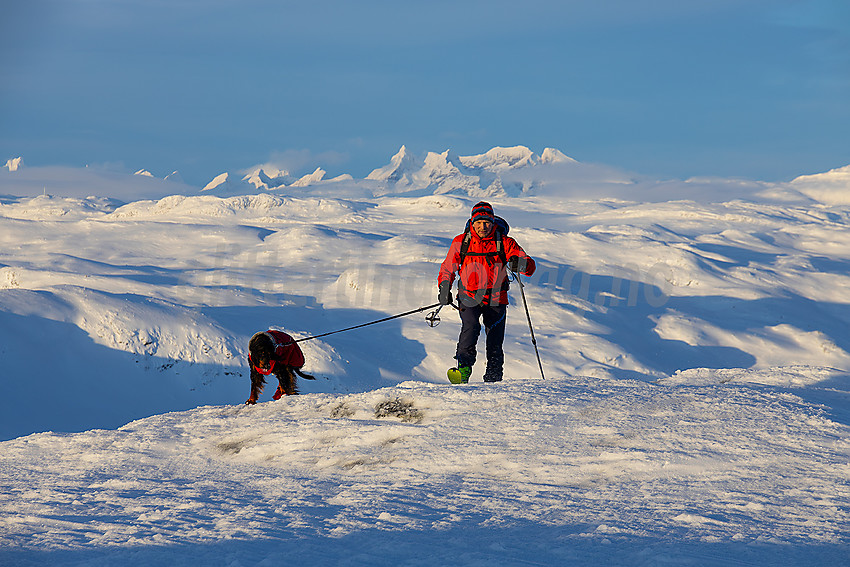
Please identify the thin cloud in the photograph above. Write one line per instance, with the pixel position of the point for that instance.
(301, 161)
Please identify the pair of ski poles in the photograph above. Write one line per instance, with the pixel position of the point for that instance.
(433, 320)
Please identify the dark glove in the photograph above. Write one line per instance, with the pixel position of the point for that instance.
(517, 264)
(445, 295)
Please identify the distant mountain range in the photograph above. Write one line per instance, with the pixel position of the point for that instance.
(487, 174)
(500, 172)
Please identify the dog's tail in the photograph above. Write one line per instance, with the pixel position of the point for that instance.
(304, 374)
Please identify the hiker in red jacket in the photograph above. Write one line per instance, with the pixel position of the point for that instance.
(481, 256)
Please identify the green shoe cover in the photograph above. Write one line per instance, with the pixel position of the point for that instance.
(459, 375)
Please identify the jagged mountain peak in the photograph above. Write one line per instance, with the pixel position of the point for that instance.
(551, 155)
(437, 173)
(311, 178)
(401, 165)
(175, 177)
(218, 182)
(15, 164)
(447, 158)
(500, 158)
(268, 177)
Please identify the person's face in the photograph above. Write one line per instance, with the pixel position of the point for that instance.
(482, 228)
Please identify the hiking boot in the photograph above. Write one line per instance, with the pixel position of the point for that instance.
(493, 375)
(460, 375)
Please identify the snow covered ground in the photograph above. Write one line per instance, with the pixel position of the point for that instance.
(694, 336)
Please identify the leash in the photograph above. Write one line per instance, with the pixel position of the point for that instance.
(433, 320)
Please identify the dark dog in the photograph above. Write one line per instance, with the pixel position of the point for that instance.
(274, 352)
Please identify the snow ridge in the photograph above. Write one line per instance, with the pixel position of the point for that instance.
(831, 187)
(492, 174)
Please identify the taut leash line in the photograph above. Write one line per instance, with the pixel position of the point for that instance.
(406, 313)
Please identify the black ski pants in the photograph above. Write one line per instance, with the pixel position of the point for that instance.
(493, 317)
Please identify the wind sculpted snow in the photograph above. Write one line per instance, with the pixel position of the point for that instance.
(694, 336)
(567, 469)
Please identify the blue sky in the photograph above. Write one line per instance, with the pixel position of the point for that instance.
(758, 89)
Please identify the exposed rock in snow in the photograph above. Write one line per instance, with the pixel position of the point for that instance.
(15, 164)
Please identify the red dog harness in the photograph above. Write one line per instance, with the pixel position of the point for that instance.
(286, 352)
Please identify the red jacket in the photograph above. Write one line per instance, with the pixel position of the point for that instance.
(483, 274)
(286, 351)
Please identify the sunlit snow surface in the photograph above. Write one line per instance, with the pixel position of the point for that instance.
(476, 473)
(695, 409)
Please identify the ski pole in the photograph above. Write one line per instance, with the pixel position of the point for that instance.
(367, 324)
(530, 328)
(433, 318)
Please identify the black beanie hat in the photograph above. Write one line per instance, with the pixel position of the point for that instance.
(483, 210)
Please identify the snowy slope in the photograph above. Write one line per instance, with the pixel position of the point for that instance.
(828, 187)
(693, 334)
(556, 472)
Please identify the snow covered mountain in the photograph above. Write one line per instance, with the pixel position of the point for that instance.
(694, 336)
(175, 177)
(262, 179)
(830, 187)
(485, 175)
(14, 164)
(401, 167)
(498, 172)
(500, 159)
(311, 178)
